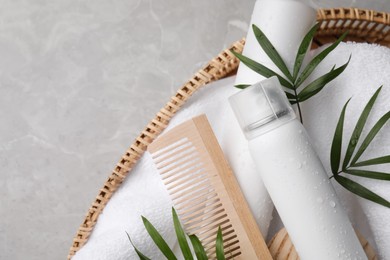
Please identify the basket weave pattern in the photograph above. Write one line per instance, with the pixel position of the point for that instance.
(225, 63)
(363, 26)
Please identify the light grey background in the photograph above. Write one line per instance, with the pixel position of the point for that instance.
(78, 81)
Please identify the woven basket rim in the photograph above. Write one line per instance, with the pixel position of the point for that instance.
(366, 25)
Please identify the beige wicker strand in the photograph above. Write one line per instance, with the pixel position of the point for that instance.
(363, 26)
(333, 22)
(220, 67)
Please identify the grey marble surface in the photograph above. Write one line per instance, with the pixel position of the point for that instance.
(78, 81)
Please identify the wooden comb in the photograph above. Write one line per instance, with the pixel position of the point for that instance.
(205, 192)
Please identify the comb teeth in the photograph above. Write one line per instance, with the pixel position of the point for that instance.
(204, 192)
(188, 181)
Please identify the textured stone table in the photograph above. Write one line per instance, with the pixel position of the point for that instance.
(78, 81)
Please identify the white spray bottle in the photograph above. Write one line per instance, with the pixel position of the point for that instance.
(293, 174)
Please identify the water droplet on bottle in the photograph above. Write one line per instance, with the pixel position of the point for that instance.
(342, 251)
(332, 204)
(320, 200)
(300, 131)
(299, 165)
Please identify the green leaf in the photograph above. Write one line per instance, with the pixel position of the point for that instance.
(375, 161)
(262, 70)
(290, 96)
(335, 152)
(305, 44)
(140, 255)
(219, 245)
(373, 132)
(360, 190)
(316, 60)
(369, 174)
(318, 84)
(242, 86)
(198, 248)
(359, 128)
(270, 50)
(181, 237)
(158, 240)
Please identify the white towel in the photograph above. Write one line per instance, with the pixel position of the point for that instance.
(142, 193)
(368, 70)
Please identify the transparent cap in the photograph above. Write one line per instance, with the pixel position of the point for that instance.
(261, 107)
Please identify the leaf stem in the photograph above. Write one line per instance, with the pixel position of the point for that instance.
(299, 107)
(337, 173)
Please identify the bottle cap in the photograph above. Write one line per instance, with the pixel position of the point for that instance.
(261, 107)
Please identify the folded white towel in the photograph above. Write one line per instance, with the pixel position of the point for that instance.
(142, 193)
(369, 68)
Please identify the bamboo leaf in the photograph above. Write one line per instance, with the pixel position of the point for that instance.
(198, 248)
(359, 128)
(289, 95)
(181, 237)
(242, 86)
(370, 136)
(318, 84)
(316, 60)
(270, 50)
(305, 44)
(219, 245)
(369, 174)
(361, 191)
(158, 240)
(335, 152)
(140, 255)
(375, 161)
(262, 70)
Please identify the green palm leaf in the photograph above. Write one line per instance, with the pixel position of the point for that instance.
(270, 50)
(181, 237)
(318, 84)
(375, 161)
(369, 174)
(289, 95)
(158, 240)
(303, 48)
(373, 132)
(316, 60)
(335, 151)
(242, 86)
(219, 245)
(198, 248)
(359, 128)
(361, 191)
(262, 70)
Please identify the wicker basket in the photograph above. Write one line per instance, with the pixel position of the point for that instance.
(363, 25)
